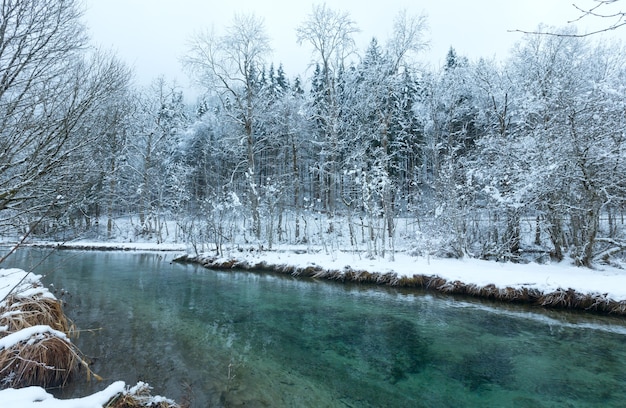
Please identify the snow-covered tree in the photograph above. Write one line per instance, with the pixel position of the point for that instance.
(114, 123)
(330, 33)
(159, 121)
(229, 66)
(552, 144)
(50, 87)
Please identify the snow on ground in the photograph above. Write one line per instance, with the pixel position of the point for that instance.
(604, 280)
(37, 397)
(121, 246)
(18, 281)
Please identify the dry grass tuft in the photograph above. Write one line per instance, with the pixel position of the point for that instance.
(618, 308)
(456, 287)
(288, 269)
(18, 313)
(558, 299)
(489, 291)
(45, 360)
(415, 281)
(337, 275)
(139, 397)
(435, 282)
(362, 276)
(473, 289)
(389, 278)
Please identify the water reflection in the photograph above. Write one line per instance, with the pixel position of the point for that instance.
(246, 339)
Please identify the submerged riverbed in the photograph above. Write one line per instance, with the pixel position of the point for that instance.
(248, 339)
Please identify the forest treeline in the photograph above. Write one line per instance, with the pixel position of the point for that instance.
(509, 160)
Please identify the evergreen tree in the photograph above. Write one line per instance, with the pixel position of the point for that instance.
(297, 87)
(282, 83)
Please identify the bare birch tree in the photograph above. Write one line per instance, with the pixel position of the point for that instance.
(330, 33)
(228, 65)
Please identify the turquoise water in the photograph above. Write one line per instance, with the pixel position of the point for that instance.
(260, 340)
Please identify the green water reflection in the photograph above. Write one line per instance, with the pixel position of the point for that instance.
(246, 339)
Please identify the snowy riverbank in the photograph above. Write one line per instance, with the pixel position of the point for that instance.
(559, 285)
(115, 395)
(33, 351)
(111, 246)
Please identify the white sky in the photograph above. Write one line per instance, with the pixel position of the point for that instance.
(152, 35)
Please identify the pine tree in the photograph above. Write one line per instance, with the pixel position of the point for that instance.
(451, 59)
(297, 87)
(282, 83)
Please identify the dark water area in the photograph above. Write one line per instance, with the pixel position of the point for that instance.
(235, 339)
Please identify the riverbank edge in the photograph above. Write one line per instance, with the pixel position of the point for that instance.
(107, 246)
(35, 343)
(568, 299)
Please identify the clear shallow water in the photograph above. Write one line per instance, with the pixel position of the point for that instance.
(245, 339)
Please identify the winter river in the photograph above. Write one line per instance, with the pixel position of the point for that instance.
(260, 340)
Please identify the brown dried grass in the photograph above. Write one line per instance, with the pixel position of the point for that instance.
(435, 282)
(456, 287)
(19, 312)
(473, 290)
(389, 278)
(362, 277)
(45, 360)
(140, 397)
(560, 298)
(618, 308)
(415, 281)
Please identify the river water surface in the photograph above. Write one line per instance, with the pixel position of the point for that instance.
(261, 340)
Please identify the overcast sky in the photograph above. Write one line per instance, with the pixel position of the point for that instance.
(152, 35)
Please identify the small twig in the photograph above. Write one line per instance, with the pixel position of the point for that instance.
(229, 372)
(619, 16)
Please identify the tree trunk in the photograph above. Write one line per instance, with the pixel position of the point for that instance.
(253, 192)
(556, 235)
(296, 186)
(592, 225)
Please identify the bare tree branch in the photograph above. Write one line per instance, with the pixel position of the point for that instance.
(597, 11)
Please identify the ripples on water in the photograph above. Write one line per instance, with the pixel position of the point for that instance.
(246, 339)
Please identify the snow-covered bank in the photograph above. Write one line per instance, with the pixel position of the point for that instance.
(554, 285)
(110, 246)
(37, 397)
(35, 349)
(116, 395)
(561, 285)
(18, 281)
